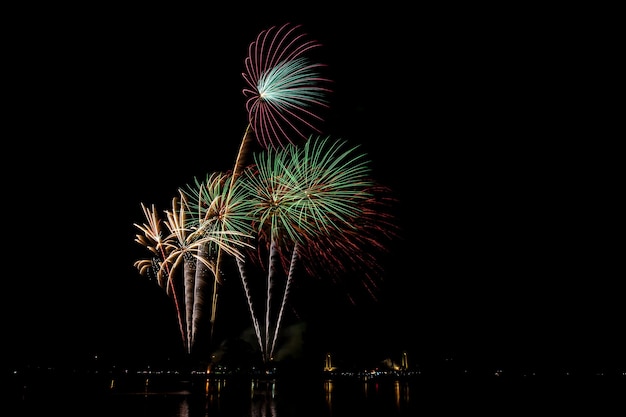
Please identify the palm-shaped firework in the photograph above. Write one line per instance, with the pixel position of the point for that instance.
(216, 206)
(301, 195)
(152, 239)
(187, 245)
(284, 87)
(305, 200)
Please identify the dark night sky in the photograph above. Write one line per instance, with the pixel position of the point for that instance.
(488, 128)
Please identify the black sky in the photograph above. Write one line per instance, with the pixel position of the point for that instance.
(487, 126)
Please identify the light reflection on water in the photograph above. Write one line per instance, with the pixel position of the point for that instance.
(249, 397)
(265, 399)
(215, 397)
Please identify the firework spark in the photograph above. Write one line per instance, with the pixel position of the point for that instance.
(284, 86)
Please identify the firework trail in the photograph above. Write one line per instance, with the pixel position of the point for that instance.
(246, 287)
(181, 251)
(279, 320)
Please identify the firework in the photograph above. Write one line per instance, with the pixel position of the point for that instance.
(305, 200)
(284, 88)
(302, 194)
(216, 207)
(152, 239)
(188, 245)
